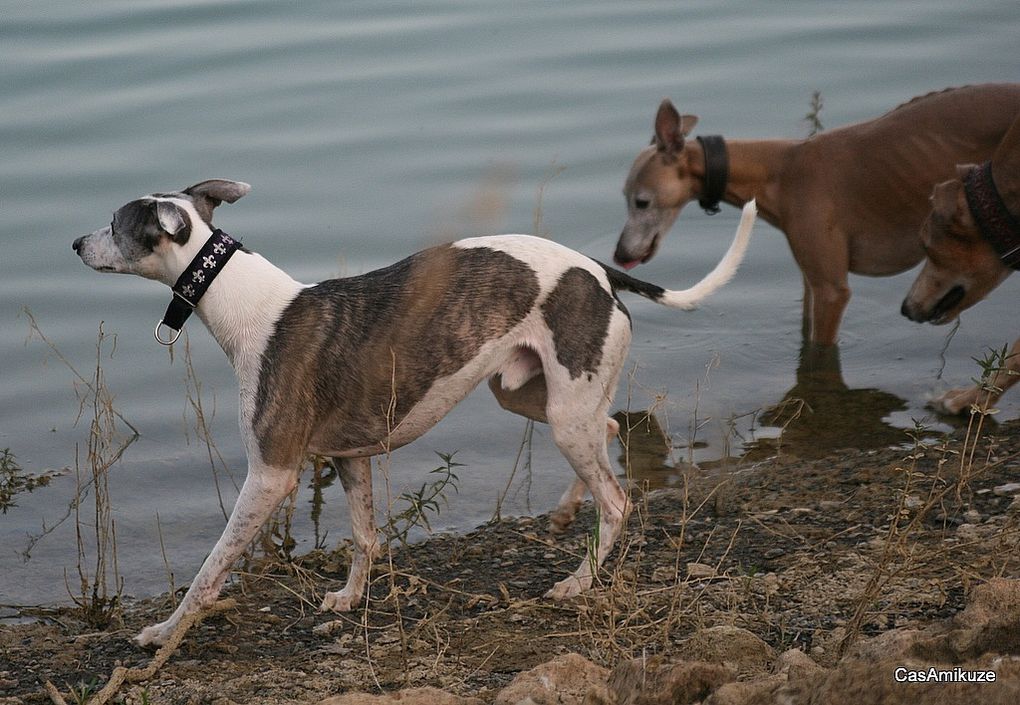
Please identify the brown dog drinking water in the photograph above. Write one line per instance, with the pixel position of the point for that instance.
(972, 239)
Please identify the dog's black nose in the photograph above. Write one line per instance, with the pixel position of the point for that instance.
(76, 245)
(904, 308)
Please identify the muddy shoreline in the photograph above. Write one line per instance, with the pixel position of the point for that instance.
(814, 555)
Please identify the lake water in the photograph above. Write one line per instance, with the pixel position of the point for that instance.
(372, 129)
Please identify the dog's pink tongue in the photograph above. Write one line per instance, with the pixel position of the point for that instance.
(629, 265)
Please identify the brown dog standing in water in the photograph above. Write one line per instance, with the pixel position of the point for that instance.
(850, 199)
(972, 239)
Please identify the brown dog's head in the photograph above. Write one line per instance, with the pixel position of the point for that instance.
(657, 187)
(961, 268)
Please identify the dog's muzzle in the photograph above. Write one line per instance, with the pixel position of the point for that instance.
(944, 305)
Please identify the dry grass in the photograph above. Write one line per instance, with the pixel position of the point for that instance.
(99, 588)
(666, 578)
(202, 422)
(99, 584)
(947, 485)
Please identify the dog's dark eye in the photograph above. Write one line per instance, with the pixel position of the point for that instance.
(641, 203)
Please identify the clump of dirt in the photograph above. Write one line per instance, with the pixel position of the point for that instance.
(815, 555)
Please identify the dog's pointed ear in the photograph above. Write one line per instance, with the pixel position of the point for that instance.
(945, 198)
(671, 127)
(206, 195)
(173, 220)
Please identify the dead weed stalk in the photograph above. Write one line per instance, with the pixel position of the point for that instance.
(99, 591)
(99, 583)
(202, 423)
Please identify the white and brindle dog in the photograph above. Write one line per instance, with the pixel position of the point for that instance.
(352, 368)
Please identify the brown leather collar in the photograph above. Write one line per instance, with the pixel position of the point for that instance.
(717, 172)
(997, 225)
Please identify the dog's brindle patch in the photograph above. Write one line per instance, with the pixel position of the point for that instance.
(348, 349)
(577, 312)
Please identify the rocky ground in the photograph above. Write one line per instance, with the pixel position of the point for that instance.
(776, 579)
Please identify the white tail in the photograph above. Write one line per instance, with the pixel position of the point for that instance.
(723, 272)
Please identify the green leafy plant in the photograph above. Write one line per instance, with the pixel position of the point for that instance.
(14, 480)
(813, 118)
(425, 501)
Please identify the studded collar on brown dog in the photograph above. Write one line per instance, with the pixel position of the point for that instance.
(997, 225)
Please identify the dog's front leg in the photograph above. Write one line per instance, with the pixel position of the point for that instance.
(262, 492)
(986, 394)
(356, 477)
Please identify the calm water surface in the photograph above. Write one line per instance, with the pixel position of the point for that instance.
(372, 129)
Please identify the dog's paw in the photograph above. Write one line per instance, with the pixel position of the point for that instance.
(571, 586)
(958, 401)
(339, 601)
(156, 635)
(561, 519)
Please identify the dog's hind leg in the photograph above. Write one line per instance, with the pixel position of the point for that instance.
(356, 477)
(530, 401)
(263, 490)
(566, 509)
(582, 441)
(577, 412)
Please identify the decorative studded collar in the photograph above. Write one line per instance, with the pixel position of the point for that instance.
(193, 283)
(997, 225)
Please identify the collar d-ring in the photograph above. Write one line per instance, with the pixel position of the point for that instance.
(161, 341)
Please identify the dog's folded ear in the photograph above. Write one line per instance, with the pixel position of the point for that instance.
(173, 220)
(206, 195)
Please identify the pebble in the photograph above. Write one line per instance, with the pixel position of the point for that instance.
(967, 532)
(1010, 488)
(700, 570)
(327, 628)
(664, 574)
(774, 553)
